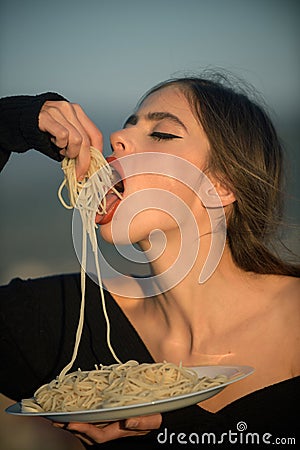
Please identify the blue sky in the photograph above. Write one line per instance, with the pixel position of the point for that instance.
(105, 54)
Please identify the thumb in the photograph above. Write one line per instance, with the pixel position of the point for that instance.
(151, 422)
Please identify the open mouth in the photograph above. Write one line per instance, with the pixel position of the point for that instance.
(114, 195)
(117, 181)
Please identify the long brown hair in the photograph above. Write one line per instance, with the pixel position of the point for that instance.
(246, 154)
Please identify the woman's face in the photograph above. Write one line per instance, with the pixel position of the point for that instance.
(163, 124)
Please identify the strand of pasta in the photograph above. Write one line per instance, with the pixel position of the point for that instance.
(74, 186)
(119, 385)
(81, 313)
(88, 196)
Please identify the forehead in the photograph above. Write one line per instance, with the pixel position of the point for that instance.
(169, 99)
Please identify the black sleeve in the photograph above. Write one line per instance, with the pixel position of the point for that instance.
(19, 130)
(38, 323)
(38, 320)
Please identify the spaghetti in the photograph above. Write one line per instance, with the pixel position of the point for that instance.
(88, 196)
(74, 187)
(118, 385)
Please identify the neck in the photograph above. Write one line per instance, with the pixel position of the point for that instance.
(196, 312)
(188, 267)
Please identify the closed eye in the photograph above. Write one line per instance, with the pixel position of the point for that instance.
(158, 136)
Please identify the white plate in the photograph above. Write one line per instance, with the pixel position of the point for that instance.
(234, 373)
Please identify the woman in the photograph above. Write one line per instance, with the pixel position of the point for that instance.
(247, 312)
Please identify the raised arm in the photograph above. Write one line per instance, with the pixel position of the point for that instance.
(48, 123)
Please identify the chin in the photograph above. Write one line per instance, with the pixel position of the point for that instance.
(117, 238)
(117, 234)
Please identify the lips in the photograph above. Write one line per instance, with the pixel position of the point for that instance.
(112, 199)
(112, 202)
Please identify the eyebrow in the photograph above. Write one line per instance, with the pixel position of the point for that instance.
(155, 117)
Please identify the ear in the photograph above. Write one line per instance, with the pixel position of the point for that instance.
(225, 193)
(218, 193)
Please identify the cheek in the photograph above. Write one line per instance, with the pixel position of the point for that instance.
(163, 201)
(152, 202)
(166, 191)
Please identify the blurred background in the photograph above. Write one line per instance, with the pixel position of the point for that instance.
(105, 55)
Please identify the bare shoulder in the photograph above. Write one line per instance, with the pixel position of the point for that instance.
(287, 290)
(281, 296)
(287, 310)
(285, 296)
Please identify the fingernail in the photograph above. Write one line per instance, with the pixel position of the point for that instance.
(131, 423)
(59, 425)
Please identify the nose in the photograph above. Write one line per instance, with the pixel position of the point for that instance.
(121, 143)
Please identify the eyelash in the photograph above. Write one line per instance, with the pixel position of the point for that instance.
(164, 136)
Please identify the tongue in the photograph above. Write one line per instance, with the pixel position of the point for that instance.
(112, 201)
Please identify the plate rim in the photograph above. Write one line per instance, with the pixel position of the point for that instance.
(52, 415)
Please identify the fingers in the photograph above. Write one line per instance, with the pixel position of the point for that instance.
(137, 426)
(59, 133)
(72, 131)
(89, 432)
(144, 422)
(96, 138)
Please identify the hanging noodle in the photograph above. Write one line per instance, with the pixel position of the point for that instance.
(88, 196)
(74, 187)
(118, 384)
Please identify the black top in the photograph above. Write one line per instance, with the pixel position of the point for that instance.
(38, 320)
(19, 126)
(38, 325)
